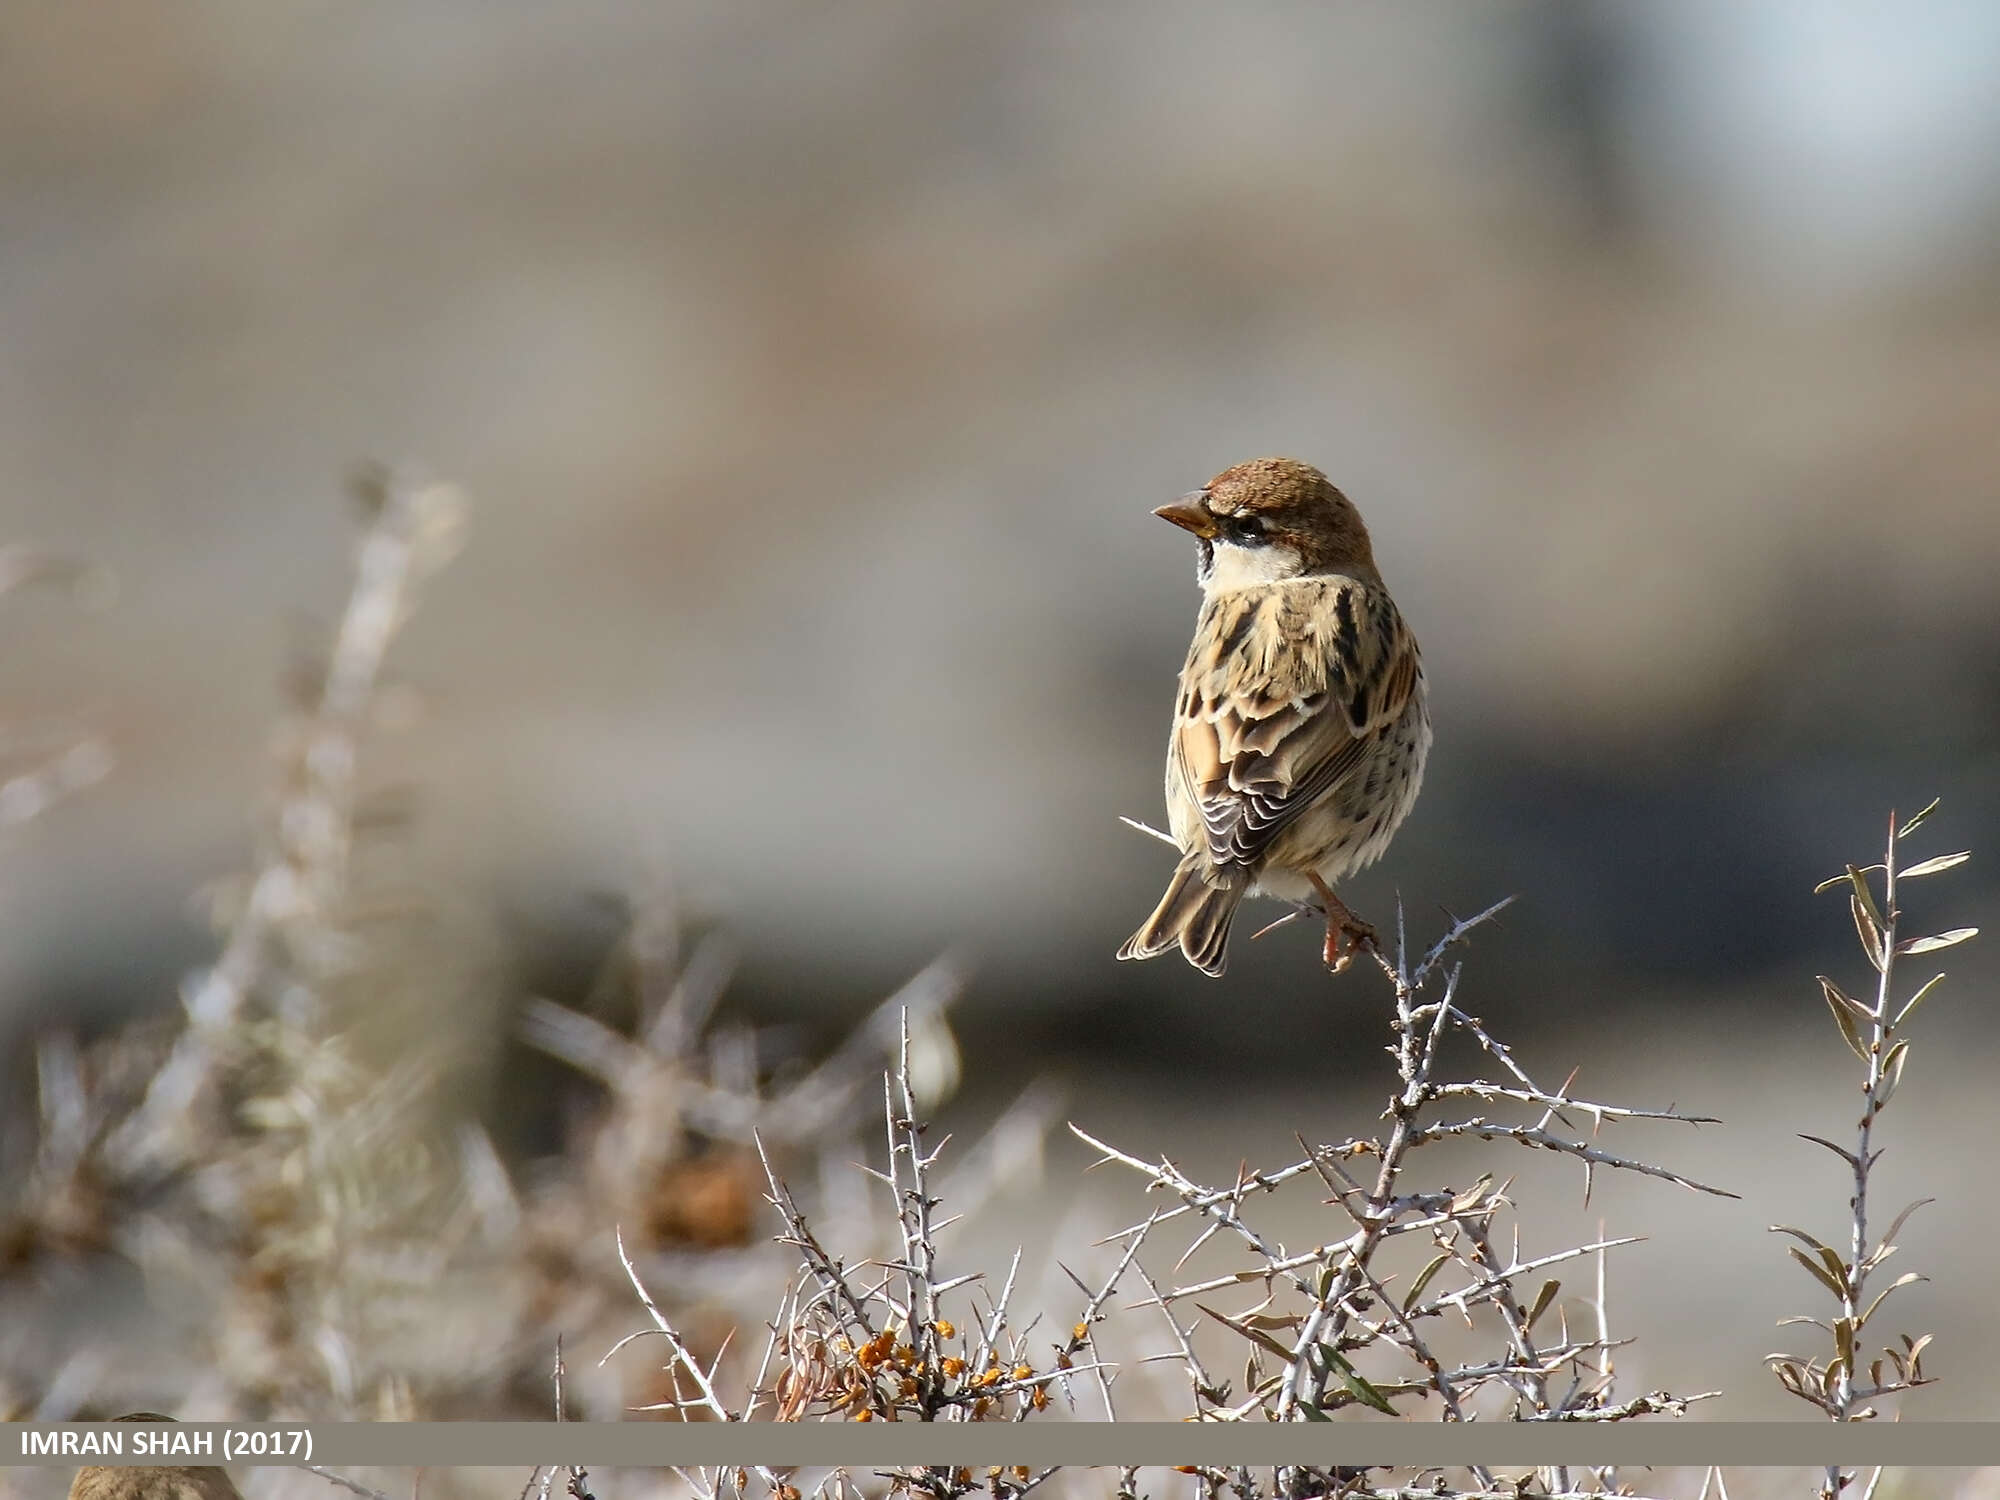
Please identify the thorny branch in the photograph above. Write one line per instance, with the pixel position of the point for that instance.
(1331, 1321)
(1873, 1032)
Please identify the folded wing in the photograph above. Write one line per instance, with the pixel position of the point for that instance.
(1307, 677)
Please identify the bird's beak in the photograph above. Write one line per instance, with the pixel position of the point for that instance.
(1190, 514)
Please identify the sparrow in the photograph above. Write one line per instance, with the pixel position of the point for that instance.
(1301, 728)
(144, 1483)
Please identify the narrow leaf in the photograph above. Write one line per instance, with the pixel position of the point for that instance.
(1542, 1300)
(1883, 1296)
(1842, 1008)
(1931, 944)
(1473, 1196)
(1933, 866)
(1892, 1073)
(1356, 1384)
(1873, 1260)
(1903, 1218)
(1312, 1413)
(1918, 998)
(1864, 896)
(1274, 1322)
(1424, 1279)
(1843, 1340)
(1819, 1272)
(1256, 1336)
(1918, 821)
(1837, 996)
(1839, 1151)
(1869, 933)
(1800, 1235)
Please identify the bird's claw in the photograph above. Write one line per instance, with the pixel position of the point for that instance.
(1346, 934)
(1344, 939)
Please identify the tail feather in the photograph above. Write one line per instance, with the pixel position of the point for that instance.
(1193, 915)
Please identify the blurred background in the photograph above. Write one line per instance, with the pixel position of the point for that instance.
(812, 372)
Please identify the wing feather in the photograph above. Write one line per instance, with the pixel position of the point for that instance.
(1287, 689)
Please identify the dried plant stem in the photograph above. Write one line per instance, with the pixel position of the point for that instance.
(412, 529)
(1873, 1033)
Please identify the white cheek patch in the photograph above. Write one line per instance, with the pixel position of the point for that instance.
(1237, 567)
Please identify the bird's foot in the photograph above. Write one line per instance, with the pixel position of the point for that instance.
(1344, 940)
(1346, 934)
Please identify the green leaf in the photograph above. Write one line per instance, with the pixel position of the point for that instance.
(1256, 1336)
(1935, 864)
(1918, 821)
(1357, 1385)
(1918, 998)
(1871, 933)
(1864, 896)
(1424, 1279)
(1312, 1413)
(1931, 944)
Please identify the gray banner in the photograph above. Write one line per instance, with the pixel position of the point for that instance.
(877, 1445)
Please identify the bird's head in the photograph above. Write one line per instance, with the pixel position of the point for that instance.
(1272, 519)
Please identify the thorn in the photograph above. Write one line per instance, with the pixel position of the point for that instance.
(1285, 921)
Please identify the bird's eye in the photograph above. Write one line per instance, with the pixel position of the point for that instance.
(1245, 531)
